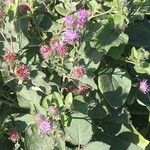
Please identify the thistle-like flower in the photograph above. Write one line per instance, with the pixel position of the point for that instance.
(82, 17)
(14, 135)
(24, 8)
(43, 124)
(77, 72)
(45, 51)
(144, 87)
(69, 20)
(61, 48)
(83, 89)
(9, 56)
(22, 72)
(70, 36)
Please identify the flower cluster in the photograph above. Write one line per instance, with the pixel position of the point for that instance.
(79, 20)
(21, 71)
(55, 46)
(43, 123)
(82, 89)
(69, 35)
(74, 24)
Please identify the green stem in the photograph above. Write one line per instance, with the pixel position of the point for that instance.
(79, 147)
(101, 14)
(148, 125)
(16, 7)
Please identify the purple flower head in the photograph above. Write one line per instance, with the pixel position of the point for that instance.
(70, 36)
(39, 118)
(69, 20)
(144, 87)
(61, 48)
(82, 17)
(45, 126)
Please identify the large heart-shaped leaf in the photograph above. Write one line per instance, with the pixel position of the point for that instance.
(80, 130)
(115, 86)
(108, 37)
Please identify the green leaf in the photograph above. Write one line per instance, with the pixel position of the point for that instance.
(26, 96)
(138, 55)
(94, 6)
(96, 145)
(115, 86)
(35, 141)
(130, 134)
(58, 98)
(139, 34)
(117, 143)
(80, 105)
(23, 121)
(88, 81)
(30, 99)
(64, 119)
(80, 130)
(108, 37)
(142, 68)
(116, 52)
(47, 101)
(39, 82)
(68, 100)
(90, 57)
(120, 116)
(98, 112)
(61, 10)
(61, 145)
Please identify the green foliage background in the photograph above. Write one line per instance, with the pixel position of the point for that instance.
(114, 48)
